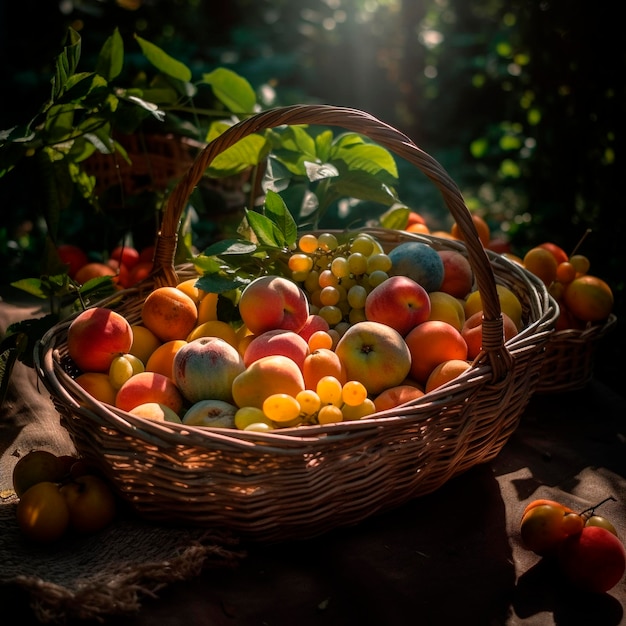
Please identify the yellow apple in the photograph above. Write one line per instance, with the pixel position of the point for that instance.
(374, 354)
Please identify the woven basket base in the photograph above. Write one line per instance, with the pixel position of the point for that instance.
(108, 573)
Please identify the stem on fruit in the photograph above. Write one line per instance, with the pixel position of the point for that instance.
(592, 509)
(580, 242)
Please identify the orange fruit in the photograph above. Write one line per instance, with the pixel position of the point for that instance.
(189, 287)
(207, 308)
(472, 332)
(565, 272)
(395, 396)
(557, 252)
(418, 228)
(42, 513)
(541, 263)
(93, 270)
(169, 313)
(588, 298)
(484, 233)
(433, 342)
(319, 363)
(445, 372)
(98, 385)
(215, 328)
(162, 359)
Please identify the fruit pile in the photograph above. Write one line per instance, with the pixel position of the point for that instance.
(60, 495)
(584, 545)
(348, 330)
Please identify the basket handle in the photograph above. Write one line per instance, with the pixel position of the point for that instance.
(385, 135)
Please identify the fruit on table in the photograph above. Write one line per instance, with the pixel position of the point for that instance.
(398, 302)
(375, 354)
(584, 545)
(58, 494)
(96, 336)
(593, 559)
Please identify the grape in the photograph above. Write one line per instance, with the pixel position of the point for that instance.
(378, 261)
(332, 314)
(300, 263)
(123, 367)
(357, 263)
(329, 390)
(362, 245)
(327, 241)
(358, 412)
(357, 315)
(281, 407)
(309, 402)
(354, 393)
(249, 415)
(327, 279)
(308, 243)
(259, 427)
(377, 277)
(329, 296)
(356, 296)
(329, 414)
(339, 267)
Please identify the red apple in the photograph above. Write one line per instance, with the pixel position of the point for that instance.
(271, 302)
(593, 560)
(398, 302)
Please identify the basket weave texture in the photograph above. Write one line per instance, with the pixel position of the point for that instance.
(569, 359)
(301, 482)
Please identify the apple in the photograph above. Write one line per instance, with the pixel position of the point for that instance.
(91, 502)
(214, 413)
(277, 341)
(205, 368)
(458, 276)
(398, 302)
(270, 302)
(418, 261)
(374, 354)
(95, 336)
(593, 560)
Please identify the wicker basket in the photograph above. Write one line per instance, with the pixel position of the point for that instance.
(569, 358)
(301, 482)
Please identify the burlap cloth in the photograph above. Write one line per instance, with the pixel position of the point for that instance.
(109, 573)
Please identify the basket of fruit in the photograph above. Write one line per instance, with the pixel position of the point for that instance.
(585, 315)
(316, 410)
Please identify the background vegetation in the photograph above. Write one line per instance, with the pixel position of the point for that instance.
(522, 102)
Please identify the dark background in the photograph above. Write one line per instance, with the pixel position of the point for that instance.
(522, 102)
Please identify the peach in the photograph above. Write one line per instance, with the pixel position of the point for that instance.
(395, 396)
(431, 343)
(319, 363)
(445, 372)
(155, 411)
(149, 387)
(588, 298)
(277, 341)
(473, 332)
(265, 377)
(98, 385)
(417, 261)
(271, 302)
(169, 313)
(446, 308)
(94, 269)
(458, 276)
(374, 354)
(313, 324)
(95, 336)
(205, 368)
(398, 302)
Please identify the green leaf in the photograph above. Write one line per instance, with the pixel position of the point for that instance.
(218, 283)
(111, 58)
(247, 152)
(368, 158)
(320, 171)
(323, 145)
(32, 286)
(66, 63)
(395, 218)
(232, 90)
(230, 246)
(275, 209)
(265, 230)
(361, 185)
(163, 61)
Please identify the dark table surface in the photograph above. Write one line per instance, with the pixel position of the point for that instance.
(452, 557)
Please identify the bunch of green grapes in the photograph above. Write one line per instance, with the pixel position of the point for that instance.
(328, 403)
(337, 277)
